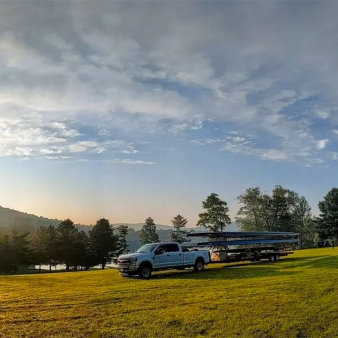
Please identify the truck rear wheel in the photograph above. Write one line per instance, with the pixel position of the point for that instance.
(145, 271)
(272, 258)
(199, 265)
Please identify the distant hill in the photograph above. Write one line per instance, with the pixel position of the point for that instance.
(27, 222)
(14, 218)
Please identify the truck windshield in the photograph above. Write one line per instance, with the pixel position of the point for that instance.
(147, 248)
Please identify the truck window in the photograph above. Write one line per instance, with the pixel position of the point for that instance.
(147, 248)
(173, 247)
(164, 247)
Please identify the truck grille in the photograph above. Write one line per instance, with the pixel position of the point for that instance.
(123, 263)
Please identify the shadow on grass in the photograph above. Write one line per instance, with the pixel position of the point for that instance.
(255, 269)
(220, 273)
(313, 262)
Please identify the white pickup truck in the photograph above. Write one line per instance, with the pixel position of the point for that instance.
(161, 256)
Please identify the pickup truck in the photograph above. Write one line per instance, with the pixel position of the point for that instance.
(161, 256)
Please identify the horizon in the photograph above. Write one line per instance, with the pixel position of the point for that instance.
(104, 116)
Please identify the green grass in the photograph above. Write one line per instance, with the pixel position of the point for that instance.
(295, 297)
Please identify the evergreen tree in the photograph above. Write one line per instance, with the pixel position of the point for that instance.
(327, 222)
(66, 243)
(122, 232)
(84, 256)
(103, 242)
(303, 222)
(148, 232)
(39, 244)
(178, 235)
(15, 252)
(51, 246)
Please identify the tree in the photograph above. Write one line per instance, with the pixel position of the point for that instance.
(327, 222)
(283, 202)
(178, 235)
(261, 212)
(303, 222)
(6, 254)
(216, 217)
(51, 245)
(103, 242)
(84, 255)
(249, 215)
(122, 232)
(39, 244)
(148, 232)
(15, 252)
(66, 242)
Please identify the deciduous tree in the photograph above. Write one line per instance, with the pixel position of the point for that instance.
(261, 212)
(216, 217)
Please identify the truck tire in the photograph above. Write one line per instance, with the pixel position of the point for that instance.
(199, 264)
(145, 271)
(277, 257)
(272, 258)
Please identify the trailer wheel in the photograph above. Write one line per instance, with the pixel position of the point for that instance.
(272, 258)
(277, 257)
(199, 265)
(145, 271)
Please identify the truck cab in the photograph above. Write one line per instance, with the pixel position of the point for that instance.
(161, 256)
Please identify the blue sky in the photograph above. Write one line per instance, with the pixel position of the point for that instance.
(131, 109)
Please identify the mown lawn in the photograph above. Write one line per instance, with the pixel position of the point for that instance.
(295, 297)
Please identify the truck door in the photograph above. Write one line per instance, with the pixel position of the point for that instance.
(160, 257)
(174, 255)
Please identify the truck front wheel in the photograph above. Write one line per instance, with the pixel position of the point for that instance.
(145, 271)
(199, 265)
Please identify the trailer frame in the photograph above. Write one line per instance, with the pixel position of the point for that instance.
(228, 247)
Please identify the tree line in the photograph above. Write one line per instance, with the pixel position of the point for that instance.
(282, 210)
(63, 244)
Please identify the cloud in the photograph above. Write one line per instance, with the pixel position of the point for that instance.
(38, 137)
(323, 114)
(322, 144)
(130, 161)
(57, 157)
(250, 144)
(248, 65)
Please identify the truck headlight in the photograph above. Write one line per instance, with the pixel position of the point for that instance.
(133, 260)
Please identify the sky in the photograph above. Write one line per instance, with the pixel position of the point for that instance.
(126, 110)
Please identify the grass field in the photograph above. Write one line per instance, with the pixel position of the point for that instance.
(295, 297)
